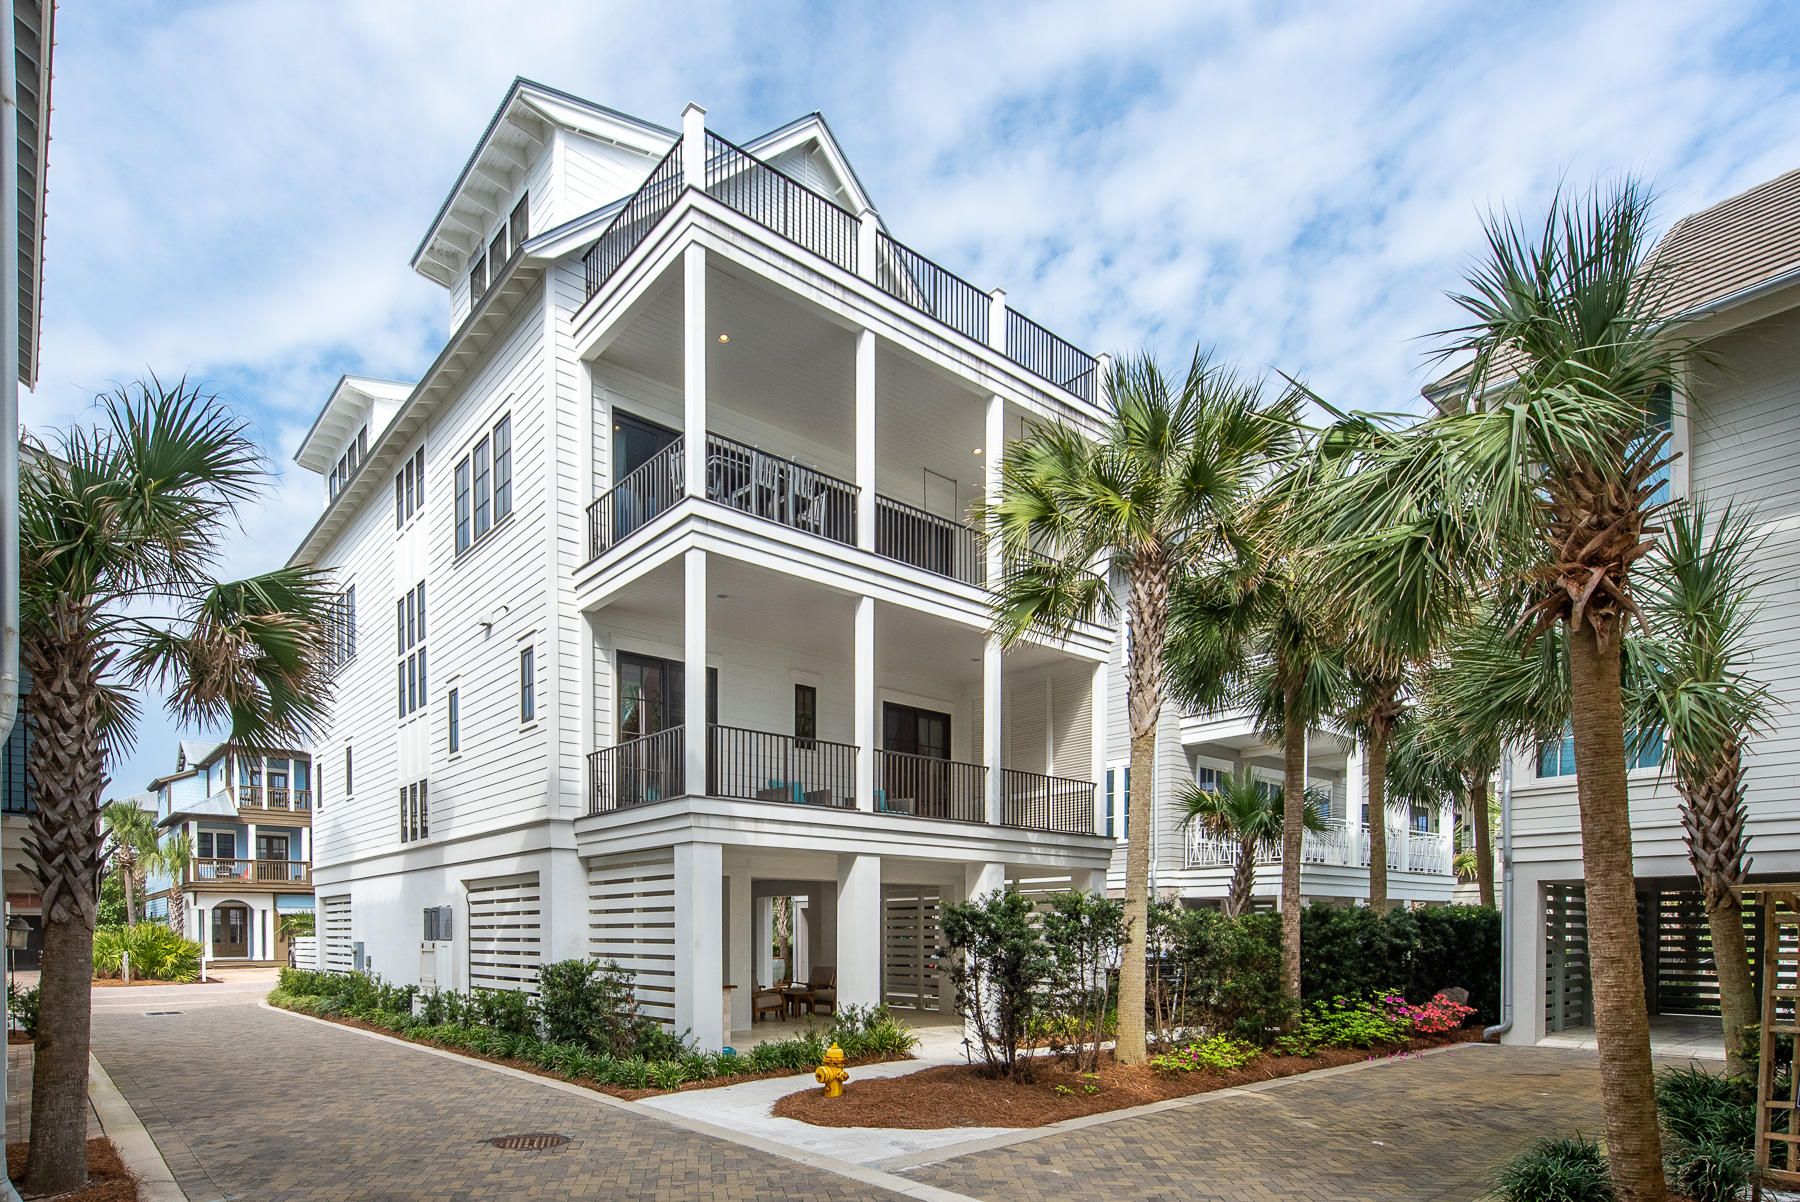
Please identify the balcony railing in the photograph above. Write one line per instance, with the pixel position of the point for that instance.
(756, 765)
(1042, 353)
(905, 274)
(639, 772)
(928, 541)
(1046, 803)
(258, 872)
(259, 797)
(1337, 845)
(649, 490)
(739, 179)
(930, 788)
(779, 490)
(640, 214)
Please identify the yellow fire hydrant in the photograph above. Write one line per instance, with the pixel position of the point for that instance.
(832, 1074)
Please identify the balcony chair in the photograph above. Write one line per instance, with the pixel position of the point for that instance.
(767, 1000)
(823, 987)
(819, 797)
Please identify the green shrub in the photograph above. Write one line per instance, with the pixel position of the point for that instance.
(1355, 951)
(306, 982)
(1557, 1170)
(1695, 1106)
(1215, 973)
(595, 1005)
(1083, 932)
(23, 1005)
(507, 1011)
(1352, 1023)
(1001, 967)
(157, 953)
(1219, 1054)
(870, 1031)
(1709, 1170)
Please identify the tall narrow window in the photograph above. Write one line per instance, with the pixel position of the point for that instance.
(527, 684)
(477, 280)
(409, 638)
(349, 778)
(409, 489)
(483, 496)
(503, 467)
(519, 224)
(806, 712)
(455, 706)
(497, 251)
(462, 507)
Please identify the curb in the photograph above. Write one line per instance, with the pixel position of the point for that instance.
(122, 1125)
(872, 1177)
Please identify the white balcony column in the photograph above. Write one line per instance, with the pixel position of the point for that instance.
(694, 657)
(864, 675)
(693, 146)
(740, 938)
(306, 844)
(858, 930)
(693, 353)
(699, 951)
(1103, 364)
(1356, 779)
(997, 319)
(993, 694)
(1097, 745)
(249, 852)
(865, 439)
(981, 879)
(868, 245)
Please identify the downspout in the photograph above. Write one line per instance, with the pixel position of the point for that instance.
(9, 428)
(1506, 902)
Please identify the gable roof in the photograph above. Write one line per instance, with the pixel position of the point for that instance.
(1749, 240)
(814, 129)
(523, 120)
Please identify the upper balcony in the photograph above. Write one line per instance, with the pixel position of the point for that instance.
(1341, 844)
(211, 873)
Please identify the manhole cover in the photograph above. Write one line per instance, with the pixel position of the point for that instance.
(159, 1013)
(536, 1141)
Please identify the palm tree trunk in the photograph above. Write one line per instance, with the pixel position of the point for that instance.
(1147, 617)
(1484, 841)
(1293, 805)
(1713, 815)
(1621, 1023)
(67, 778)
(1243, 879)
(1376, 762)
(1737, 992)
(130, 907)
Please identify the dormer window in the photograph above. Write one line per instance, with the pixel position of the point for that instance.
(348, 462)
(507, 239)
(497, 250)
(477, 280)
(519, 224)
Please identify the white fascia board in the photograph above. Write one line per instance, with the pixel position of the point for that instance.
(812, 128)
(339, 415)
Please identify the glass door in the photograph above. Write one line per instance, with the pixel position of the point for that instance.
(926, 734)
(635, 443)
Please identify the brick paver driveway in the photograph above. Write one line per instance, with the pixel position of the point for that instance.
(1432, 1127)
(249, 1104)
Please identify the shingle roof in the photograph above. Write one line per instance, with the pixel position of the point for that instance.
(1750, 239)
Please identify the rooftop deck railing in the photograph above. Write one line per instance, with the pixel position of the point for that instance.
(646, 207)
(906, 275)
(737, 178)
(1042, 353)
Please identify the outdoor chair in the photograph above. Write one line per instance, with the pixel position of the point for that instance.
(823, 984)
(765, 1001)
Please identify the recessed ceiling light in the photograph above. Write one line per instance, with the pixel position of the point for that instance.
(724, 337)
(977, 450)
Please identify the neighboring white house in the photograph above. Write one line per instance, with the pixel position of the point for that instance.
(684, 498)
(1736, 423)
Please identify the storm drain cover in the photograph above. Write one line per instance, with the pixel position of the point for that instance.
(159, 1013)
(536, 1141)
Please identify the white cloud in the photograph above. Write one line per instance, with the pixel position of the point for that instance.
(236, 189)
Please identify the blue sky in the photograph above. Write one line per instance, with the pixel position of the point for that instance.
(235, 189)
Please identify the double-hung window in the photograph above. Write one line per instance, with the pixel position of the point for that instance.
(409, 625)
(527, 684)
(484, 495)
(478, 280)
(415, 812)
(340, 630)
(409, 489)
(349, 461)
(454, 702)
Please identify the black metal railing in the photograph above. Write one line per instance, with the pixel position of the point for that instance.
(637, 773)
(779, 490)
(930, 788)
(928, 541)
(1039, 351)
(645, 208)
(907, 275)
(651, 488)
(737, 178)
(1046, 803)
(756, 765)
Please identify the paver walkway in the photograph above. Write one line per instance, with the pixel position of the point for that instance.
(1430, 1127)
(249, 1104)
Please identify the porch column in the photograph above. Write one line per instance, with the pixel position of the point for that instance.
(865, 439)
(993, 448)
(997, 319)
(699, 975)
(1356, 781)
(249, 852)
(864, 674)
(694, 657)
(693, 146)
(981, 879)
(1088, 880)
(858, 930)
(740, 943)
(693, 354)
(1097, 743)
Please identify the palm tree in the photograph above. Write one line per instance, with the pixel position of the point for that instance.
(131, 842)
(1248, 812)
(1547, 465)
(1695, 689)
(1258, 635)
(120, 527)
(1153, 499)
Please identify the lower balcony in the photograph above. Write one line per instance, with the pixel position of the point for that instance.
(218, 873)
(1338, 845)
(755, 765)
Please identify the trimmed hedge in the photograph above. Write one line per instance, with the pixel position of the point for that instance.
(1355, 952)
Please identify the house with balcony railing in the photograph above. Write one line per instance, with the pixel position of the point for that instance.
(246, 817)
(659, 593)
(1195, 867)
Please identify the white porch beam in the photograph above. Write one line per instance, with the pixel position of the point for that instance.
(864, 674)
(693, 340)
(694, 658)
(859, 930)
(865, 439)
(699, 976)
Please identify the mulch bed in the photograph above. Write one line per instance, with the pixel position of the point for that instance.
(629, 1095)
(108, 1178)
(958, 1095)
(19, 1037)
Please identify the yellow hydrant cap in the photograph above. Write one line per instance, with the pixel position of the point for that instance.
(835, 1055)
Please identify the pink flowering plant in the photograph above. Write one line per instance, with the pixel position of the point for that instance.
(1435, 1017)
